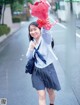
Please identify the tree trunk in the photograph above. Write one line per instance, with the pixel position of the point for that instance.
(0, 13)
(3, 10)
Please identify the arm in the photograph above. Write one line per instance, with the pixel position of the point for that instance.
(46, 36)
(29, 54)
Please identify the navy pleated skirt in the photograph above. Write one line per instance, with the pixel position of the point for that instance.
(45, 78)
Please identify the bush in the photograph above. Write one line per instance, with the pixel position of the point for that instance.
(4, 29)
(17, 6)
(16, 20)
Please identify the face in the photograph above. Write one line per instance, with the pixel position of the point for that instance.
(35, 32)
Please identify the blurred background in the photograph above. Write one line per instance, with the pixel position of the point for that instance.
(15, 85)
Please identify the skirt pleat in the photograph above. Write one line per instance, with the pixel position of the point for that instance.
(45, 78)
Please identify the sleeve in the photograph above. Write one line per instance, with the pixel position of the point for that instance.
(29, 53)
(46, 36)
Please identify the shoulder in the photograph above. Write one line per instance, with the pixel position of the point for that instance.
(32, 41)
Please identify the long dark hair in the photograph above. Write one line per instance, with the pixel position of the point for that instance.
(31, 38)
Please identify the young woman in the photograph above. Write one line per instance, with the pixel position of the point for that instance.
(44, 76)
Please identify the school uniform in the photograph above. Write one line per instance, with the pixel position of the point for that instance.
(44, 74)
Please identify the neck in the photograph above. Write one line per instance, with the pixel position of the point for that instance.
(37, 39)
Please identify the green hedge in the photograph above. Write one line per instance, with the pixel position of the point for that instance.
(4, 29)
(16, 20)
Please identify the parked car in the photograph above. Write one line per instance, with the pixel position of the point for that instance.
(17, 13)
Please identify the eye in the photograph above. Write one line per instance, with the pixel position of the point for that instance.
(35, 29)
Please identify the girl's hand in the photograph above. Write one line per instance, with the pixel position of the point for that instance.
(47, 25)
(32, 45)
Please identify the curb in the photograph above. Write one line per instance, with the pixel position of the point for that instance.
(4, 37)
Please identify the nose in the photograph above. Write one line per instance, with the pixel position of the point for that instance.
(32, 32)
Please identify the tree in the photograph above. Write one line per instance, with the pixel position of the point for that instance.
(20, 1)
(17, 6)
(3, 4)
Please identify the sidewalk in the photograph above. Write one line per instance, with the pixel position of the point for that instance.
(14, 28)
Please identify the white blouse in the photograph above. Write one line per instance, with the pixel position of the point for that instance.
(45, 50)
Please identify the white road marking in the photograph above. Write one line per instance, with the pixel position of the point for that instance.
(62, 25)
(52, 20)
(64, 28)
(78, 35)
(21, 59)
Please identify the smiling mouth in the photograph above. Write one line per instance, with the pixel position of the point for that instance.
(35, 34)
